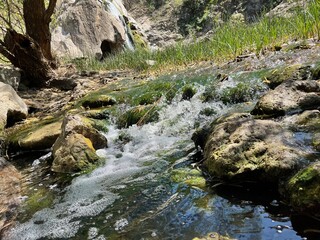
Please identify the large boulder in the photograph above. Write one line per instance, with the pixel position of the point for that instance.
(240, 147)
(12, 107)
(74, 150)
(87, 27)
(289, 97)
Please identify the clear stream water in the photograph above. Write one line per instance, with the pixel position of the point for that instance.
(133, 195)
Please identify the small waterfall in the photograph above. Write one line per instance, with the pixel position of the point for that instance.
(115, 10)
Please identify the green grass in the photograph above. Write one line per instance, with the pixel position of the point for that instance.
(229, 41)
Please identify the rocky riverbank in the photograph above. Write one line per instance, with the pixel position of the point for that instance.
(275, 142)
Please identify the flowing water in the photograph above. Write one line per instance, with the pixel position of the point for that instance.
(135, 194)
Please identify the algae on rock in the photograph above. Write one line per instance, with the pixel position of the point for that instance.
(242, 148)
(303, 190)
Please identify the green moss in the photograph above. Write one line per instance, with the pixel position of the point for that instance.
(210, 93)
(37, 200)
(138, 115)
(17, 135)
(304, 189)
(276, 76)
(208, 112)
(149, 98)
(99, 114)
(139, 41)
(97, 101)
(242, 92)
(101, 125)
(188, 91)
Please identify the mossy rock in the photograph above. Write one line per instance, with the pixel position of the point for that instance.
(73, 154)
(289, 97)
(241, 148)
(100, 114)
(36, 135)
(304, 190)
(85, 126)
(97, 101)
(293, 72)
(309, 120)
(191, 177)
(138, 40)
(138, 115)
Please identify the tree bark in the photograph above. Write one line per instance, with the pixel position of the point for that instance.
(26, 54)
(37, 20)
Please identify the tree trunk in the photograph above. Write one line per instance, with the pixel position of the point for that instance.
(37, 20)
(26, 54)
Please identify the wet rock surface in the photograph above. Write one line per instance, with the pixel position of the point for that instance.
(74, 150)
(243, 148)
(303, 190)
(10, 190)
(289, 97)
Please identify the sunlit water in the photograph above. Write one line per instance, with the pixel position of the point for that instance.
(133, 197)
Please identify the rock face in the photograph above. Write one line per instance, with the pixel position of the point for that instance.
(9, 194)
(10, 75)
(290, 96)
(242, 148)
(12, 107)
(166, 22)
(74, 150)
(87, 27)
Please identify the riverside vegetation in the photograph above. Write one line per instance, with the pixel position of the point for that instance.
(251, 169)
(229, 41)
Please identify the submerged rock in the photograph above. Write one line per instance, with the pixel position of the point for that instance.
(240, 147)
(12, 107)
(9, 194)
(191, 177)
(289, 97)
(303, 190)
(74, 150)
(213, 236)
